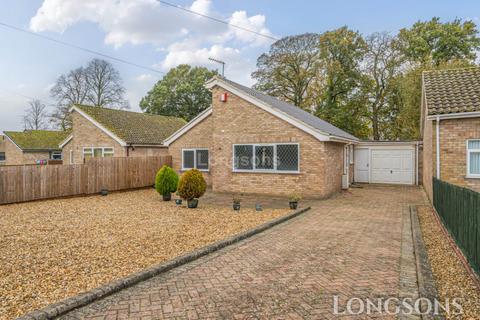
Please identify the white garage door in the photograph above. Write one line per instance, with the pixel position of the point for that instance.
(392, 166)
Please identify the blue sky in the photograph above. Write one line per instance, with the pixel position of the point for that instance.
(151, 34)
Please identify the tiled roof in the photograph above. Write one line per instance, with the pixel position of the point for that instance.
(32, 140)
(134, 127)
(293, 111)
(452, 91)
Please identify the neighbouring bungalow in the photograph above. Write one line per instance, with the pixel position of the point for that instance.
(32, 146)
(248, 142)
(451, 127)
(103, 132)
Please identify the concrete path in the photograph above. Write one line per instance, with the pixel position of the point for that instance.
(353, 245)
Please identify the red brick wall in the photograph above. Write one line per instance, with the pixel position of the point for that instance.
(454, 134)
(86, 134)
(238, 121)
(199, 136)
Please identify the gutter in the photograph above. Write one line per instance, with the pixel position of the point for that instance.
(459, 115)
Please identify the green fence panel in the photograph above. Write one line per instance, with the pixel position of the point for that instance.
(459, 210)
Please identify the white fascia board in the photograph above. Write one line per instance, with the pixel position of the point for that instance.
(321, 136)
(64, 142)
(180, 132)
(460, 115)
(148, 145)
(388, 143)
(98, 125)
(343, 140)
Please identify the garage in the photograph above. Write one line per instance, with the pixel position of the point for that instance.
(386, 162)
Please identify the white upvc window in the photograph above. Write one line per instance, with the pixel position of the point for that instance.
(473, 158)
(56, 155)
(97, 152)
(266, 157)
(195, 158)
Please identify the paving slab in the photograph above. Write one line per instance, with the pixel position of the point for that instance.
(350, 246)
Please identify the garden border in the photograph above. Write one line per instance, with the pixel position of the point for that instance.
(62, 307)
(426, 283)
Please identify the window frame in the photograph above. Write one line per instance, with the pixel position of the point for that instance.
(471, 175)
(92, 152)
(52, 153)
(274, 170)
(4, 157)
(195, 159)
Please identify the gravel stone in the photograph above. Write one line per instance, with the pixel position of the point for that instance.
(451, 278)
(55, 249)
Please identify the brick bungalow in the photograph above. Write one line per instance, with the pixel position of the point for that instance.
(102, 132)
(451, 127)
(248, 142)
(32, 146)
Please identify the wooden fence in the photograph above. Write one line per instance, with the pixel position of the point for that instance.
(459, 210)
(26, 183)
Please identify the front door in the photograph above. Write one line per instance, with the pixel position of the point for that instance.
(362, 164)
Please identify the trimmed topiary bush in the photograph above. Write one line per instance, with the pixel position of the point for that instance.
(166, 182)
(192, 185)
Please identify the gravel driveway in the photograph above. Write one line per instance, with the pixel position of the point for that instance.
(54, 249)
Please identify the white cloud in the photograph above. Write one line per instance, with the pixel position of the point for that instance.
(144, 77)
(254, 23)
(237, 66)
(178, 37)
(144, 21)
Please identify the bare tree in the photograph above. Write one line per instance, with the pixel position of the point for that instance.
(99, 84)
(69, 89)
(104, 84)
(36, 117)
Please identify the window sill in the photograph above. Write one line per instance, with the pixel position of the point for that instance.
(472, 177)
(201, 170)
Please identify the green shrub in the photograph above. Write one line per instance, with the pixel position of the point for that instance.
(192, 185)
(166, 181)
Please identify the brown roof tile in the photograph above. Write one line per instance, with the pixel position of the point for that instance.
(37, 140)
(452, 91)
(135, 127)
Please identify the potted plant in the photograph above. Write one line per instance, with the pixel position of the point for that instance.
(178, 201)
(166, 182)
(192, 186)
(293, 203)
(236, 203)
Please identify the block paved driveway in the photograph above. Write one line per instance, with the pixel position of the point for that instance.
(349, 245)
